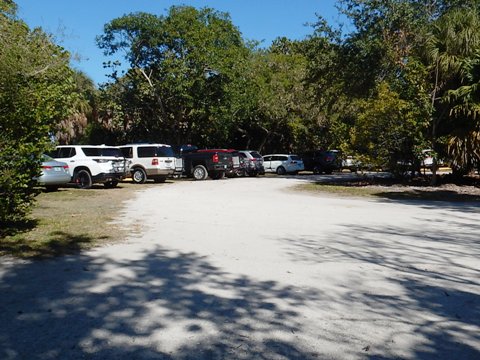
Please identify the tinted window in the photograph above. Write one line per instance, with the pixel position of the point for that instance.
(146, 151)
(267, 158)
(165, 151)
(256, 155)
(65, 152)
(279, 158)
(127, 152)
(102, 152)
(295, 157)
(242, 155)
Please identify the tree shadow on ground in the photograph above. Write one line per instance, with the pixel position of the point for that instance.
(163, 305)
(420, 282)
(58, 243)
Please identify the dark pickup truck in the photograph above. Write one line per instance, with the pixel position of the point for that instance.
(202, 164)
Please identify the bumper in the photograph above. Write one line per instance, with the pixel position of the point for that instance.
(104, 177)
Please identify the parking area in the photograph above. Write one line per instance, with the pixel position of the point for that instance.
(250, 269)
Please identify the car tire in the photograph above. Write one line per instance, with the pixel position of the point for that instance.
(83, 179)
(199, 172)
(317, 170)
(281, 170)
(51, 188)
(110, 184)
(139, 176)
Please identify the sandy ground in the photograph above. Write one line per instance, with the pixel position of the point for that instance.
(248, 269)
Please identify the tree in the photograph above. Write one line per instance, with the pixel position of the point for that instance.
(451, 56)
(36, 88)
(180, 68)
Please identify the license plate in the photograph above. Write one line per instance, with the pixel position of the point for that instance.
(57, 169)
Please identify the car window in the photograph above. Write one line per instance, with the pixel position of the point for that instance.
(65, 152)
(279, 158)
(267, 158)
(295, 157)
(127, 152)
(256, 155)
(165, 151)
(146, 151)
(242, 155)
(90, 151)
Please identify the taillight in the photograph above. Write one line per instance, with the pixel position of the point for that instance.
(293, 162)
(65, 167)
(215, 158)
(47, 167)
(253, 159)
(154, 161)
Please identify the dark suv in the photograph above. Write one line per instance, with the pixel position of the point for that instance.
(320, 161)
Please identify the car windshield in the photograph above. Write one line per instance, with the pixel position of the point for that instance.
(295, 157)
(165, 151)
(256, 155)
(102, 152)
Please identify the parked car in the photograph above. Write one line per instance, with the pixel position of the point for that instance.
(201, 165)
(320, 161)
(252, 162)
(236, 169)
(427, 159)
(149, 161)
(54, 173)
(283, 163)
(351, 163)
(90, 164)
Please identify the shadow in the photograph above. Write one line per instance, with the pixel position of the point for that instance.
(58, 243)
(437, 195)
(15, 228)
(418, 284)
(160, 305)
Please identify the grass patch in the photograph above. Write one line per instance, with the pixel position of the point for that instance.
(339, 190)
(69, 220)
(458, 194)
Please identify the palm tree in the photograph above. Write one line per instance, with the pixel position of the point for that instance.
(450, 45)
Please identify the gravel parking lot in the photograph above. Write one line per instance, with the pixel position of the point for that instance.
(249, 269)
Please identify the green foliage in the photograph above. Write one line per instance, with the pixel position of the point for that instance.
(387, 129)
(35, 91)
(181, 68)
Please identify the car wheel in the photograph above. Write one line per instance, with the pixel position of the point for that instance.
(328, 172)
(111, 184)
(51, 188)
(281, 170)
(139, 176)
(83, 179)
(200, 172)
(159, 179)
(316, 170)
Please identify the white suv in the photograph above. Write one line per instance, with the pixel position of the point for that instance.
(283, 163)
(90, 164)
(149, 161)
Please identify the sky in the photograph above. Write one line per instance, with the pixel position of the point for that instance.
(76, 23)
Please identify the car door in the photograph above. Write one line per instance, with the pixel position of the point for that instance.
(267, 162)
(277, 161)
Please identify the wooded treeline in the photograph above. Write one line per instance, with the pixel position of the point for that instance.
(404, 79)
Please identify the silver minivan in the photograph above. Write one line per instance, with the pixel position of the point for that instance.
(283, 163)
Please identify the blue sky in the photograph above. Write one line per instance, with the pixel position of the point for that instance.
(76, 23)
